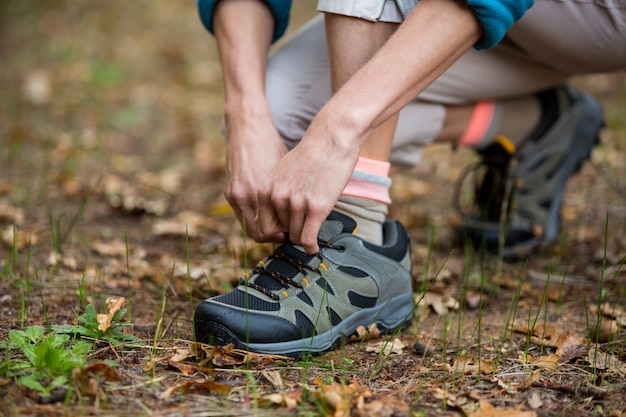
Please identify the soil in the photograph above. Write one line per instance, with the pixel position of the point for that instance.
(111, 185)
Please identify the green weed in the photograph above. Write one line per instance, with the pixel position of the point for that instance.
(48, 359)
(88, 328)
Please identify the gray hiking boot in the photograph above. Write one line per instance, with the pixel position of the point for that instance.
(518, 201)
(295, 304)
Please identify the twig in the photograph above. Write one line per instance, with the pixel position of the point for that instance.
(590, 391)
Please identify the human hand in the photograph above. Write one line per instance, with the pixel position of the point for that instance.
(253, 148)
(301, 191)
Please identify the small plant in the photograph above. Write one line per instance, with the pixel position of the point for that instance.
(49, 359)
(46, 359)
(106, 327)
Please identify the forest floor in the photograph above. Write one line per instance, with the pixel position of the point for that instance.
(111, 185)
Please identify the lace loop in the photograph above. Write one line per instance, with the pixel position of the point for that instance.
(281, 267)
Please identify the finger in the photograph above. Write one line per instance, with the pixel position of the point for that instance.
(267, 221)
(296, 221)
(310, 231)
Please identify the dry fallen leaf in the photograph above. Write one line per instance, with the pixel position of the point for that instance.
(342, 398)
(541, 334)
(113, 248)
(440, 303)
(126, 195)
(11, 214)
(18, 239)
(550, 362)
(363, 334)
(601, 360)
(606, 332)
(387, 406)
(487, 410)
(274, 378)
(114, 305)
(529, 380)
(570, 347)
(185, 223)
(223, 356)
(387, 347)
(459, 401)
(468, 364)
(203, 385)
(88, 379)
(534, 401)
(611, 310)
(188, 369)
(290, 399)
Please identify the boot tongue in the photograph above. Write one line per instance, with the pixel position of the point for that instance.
(335, 224)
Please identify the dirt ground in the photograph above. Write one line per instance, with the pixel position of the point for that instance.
(111, 180)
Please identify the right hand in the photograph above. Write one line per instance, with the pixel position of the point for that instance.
(253, 149)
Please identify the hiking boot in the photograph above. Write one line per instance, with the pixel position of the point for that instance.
(295, 304)
(518, 202)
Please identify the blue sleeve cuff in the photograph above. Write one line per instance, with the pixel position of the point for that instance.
(496, 17)
(279, 8)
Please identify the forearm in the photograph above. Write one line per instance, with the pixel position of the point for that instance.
(243, 30)
(434, 35)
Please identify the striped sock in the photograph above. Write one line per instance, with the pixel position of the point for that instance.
(513, 119)
(366, 197)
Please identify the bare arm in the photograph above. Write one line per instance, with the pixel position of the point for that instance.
(306, 185)
(432, 38)
(243, 29)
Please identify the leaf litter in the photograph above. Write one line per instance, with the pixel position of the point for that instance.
(157, 231)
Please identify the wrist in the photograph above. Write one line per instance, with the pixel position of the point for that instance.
(251, 108)
(345, 124)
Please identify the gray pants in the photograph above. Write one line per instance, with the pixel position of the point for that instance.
(554, 41)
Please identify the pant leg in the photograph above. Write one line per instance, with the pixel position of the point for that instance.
(545, 48)
(298, 86)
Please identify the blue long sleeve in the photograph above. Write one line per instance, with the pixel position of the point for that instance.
(496, 17)
(279, 8)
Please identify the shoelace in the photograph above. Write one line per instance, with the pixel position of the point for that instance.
(491, 190)
(286, 263)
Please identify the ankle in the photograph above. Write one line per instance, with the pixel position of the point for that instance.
(368, 214)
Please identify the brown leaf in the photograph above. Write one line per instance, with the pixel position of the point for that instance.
(363, 334)
(185, 223)
(487, 410)
(571, 347)
(606, 332)
(534, 401)
(440, 303)
(18, 239)
(114, 305)
(290, 399)
(274, 378)
(453, 400)
(184, 368)
(550, 362)
(387, 347)
(388, 406)
(88, 379)
(11, 214)
(529, 380)
(601, 360)
(467, 364)
(204, 385)
(182, 354)
(113, 248)
(542, 334)
(341, 398)
(224, 356)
